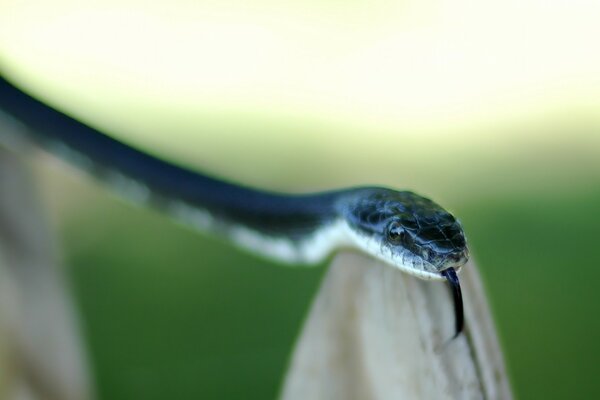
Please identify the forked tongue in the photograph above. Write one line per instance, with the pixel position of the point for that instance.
(452, 278)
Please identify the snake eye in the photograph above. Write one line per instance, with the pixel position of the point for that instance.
(395, 233)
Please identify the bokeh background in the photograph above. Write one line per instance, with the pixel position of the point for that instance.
(491, 108)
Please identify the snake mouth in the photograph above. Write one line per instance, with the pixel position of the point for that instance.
(454, 283)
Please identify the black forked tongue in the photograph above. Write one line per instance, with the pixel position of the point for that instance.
(452, 278)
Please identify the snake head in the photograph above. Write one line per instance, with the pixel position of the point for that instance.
(411, 233)
(408, 231)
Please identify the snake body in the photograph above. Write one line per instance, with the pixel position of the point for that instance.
(401, 228)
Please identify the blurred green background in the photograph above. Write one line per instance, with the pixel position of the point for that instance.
(492, 109)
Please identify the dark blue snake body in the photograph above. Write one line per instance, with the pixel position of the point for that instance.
(268, 212)
(403, 229)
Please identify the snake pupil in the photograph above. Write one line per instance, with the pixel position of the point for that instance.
(395, 233)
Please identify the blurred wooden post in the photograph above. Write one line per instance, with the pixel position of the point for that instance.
(41, 354)
(377, 333)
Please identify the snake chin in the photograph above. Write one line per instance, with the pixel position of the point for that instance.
(407, 261)
(426, 267)
(401, 259)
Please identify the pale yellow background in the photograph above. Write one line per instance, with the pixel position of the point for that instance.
(309, 94)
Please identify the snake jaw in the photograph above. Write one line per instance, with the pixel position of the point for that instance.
(452, 278)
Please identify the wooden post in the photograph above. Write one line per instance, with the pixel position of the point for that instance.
(41, 354)
(377, 333)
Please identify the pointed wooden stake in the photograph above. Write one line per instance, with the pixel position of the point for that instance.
(377, 333)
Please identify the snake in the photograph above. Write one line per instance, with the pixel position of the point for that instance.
(403, 229)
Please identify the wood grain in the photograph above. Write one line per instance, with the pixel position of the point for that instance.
(376, 333)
